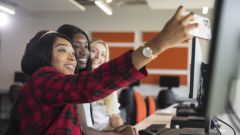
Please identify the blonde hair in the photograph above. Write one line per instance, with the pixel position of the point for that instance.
(109, 100)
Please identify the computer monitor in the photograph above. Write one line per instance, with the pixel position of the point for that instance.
(169, 81)
(224, 56)
(195, 68)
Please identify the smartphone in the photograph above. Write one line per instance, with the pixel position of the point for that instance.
(204, 30)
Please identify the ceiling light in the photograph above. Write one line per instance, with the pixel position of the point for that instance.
(7, 9)
(101, 4)
(108, 1)
(4, 19)
(77, 4)
(205, 10)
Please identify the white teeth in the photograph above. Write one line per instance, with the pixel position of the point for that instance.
(70, 66)
(83, 60)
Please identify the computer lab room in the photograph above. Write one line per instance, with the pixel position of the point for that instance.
(119, 67)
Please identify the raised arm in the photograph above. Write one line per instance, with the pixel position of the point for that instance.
(174, 32)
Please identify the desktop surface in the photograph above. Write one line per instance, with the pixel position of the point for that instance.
(163, 117)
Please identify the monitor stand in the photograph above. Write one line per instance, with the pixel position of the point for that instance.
(187, 112)
(187, 122)
(188, 108)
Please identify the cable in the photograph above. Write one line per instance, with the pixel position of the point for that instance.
(234, 122)
(232, 114)
(226, 124)
(216, 127)
(231, 109)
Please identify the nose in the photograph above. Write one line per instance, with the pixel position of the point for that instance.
(71, 57)
(83, 51)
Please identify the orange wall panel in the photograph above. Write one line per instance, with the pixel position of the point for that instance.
(114, 36)
(174, 58)
(154, 79)
(118, 51)
(146, 36)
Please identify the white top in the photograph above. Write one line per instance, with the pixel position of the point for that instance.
(88, 116)
(100, 113)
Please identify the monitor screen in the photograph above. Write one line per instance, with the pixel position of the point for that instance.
(224, 56)
(195, 68)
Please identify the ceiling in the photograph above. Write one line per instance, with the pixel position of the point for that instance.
(65, 5)
(173, 4)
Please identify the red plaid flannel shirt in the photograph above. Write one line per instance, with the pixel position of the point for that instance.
(46, 102)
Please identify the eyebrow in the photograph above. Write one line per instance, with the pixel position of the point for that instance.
(60, 45)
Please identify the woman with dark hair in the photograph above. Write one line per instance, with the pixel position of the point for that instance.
(80, 43)
(46, 103)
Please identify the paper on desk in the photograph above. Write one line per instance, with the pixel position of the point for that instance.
(168, 111)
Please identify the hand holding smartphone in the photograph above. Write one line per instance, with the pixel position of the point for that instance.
(204, 30)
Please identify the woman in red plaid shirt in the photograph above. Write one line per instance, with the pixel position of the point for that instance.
(46, 103)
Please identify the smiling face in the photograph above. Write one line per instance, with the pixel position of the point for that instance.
(98, 54)
(81, 47)
(63, 56)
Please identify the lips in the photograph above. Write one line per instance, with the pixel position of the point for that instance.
(70, 67)
(96, 62)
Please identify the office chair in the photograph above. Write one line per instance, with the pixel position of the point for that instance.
(141, 110)
(150, 104)
(166, 96)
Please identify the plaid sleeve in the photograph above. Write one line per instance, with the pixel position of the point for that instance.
(55, 88)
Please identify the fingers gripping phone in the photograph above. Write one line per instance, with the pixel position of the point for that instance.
(204, 30)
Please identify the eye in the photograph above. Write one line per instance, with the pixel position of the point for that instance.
(86, 46)
(63, 50)
(93, 50)
(103, 55)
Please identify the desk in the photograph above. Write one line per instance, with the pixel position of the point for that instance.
(159, 117)
(163, 118)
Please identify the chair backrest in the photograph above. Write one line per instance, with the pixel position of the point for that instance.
(141, 111)
(127, 102)
(151, 105)
(165, 98)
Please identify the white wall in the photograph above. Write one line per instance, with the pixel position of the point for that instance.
(24, 26)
